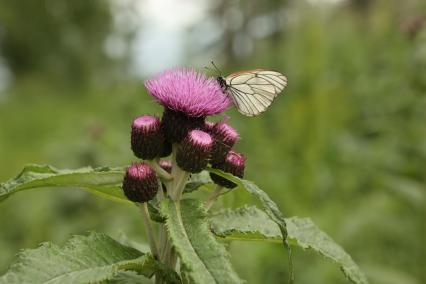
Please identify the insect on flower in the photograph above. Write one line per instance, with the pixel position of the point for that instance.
(252, 91)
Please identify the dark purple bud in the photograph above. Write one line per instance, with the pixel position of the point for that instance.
(176, 125)
(194, 152)
(167, 149)
(208, 126)
(147, 139)
(225, 138)
(234, 164)
(166, 165)
(140, 183)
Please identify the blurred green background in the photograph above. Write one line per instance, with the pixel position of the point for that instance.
(345, 144)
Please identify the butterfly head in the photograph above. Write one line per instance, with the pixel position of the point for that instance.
(222, 82)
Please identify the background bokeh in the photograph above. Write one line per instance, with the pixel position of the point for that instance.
(345, 144)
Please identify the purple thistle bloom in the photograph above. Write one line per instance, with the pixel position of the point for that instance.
(189, 92)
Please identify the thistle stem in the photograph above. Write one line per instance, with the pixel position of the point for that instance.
(213, 196)
(149, 229)
(180, 177)
(160, 193)
(160, 171)
(180, 180)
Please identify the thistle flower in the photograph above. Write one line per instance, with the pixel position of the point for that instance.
(194, 152)
(225, 138)
(188, 97)
(189, 92)
(235, 164)
(147, 139)
(140, 183)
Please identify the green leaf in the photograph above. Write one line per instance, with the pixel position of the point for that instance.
(83, 259)
(250, 223)
(303, 233)
(128, 277)
(105, 181)
(197, 181)
(154, 212)
(245, 223)
(203, 259)
(268, 205)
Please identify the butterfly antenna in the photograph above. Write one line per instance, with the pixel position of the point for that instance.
(213, 70)
(217, 69)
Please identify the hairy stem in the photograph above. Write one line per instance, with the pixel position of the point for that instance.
(159, 170)
(149, 229)
(160, 193)
(180, 181)
(180, 177)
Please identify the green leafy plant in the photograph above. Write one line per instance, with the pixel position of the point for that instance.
(186, 234)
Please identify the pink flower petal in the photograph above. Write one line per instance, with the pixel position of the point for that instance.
(188, 91)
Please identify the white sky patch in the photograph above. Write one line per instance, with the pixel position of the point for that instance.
(160, 43)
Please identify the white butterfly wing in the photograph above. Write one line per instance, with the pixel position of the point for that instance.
(253, 91)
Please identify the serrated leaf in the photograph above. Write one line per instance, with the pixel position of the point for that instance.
(128, 277)
(154, 212)
(303, 233)
(105, 181)
(245, 223)
(203, 259)
(83, 259)
(197, 181)
(250, 223)
(268, 205)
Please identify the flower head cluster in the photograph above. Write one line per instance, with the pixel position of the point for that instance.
(188, 98)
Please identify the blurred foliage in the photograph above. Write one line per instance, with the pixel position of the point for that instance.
(57, 40)
(345, 144)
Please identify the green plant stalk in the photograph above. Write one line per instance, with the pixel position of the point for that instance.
(180, 177)
(160, 193)
(175, 188)
(162, 234)
(149, 229)
(159, 170)
(164, 241)
(180, 181)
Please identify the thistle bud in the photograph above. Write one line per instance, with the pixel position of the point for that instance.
(140, 183)
(167, 149)
(147, 139)
(224, 139)
(208, 126)
(176, 125)
(194, 152)
(166, 165)
(234, 164)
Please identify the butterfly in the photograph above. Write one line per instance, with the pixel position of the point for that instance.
(253, 91)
